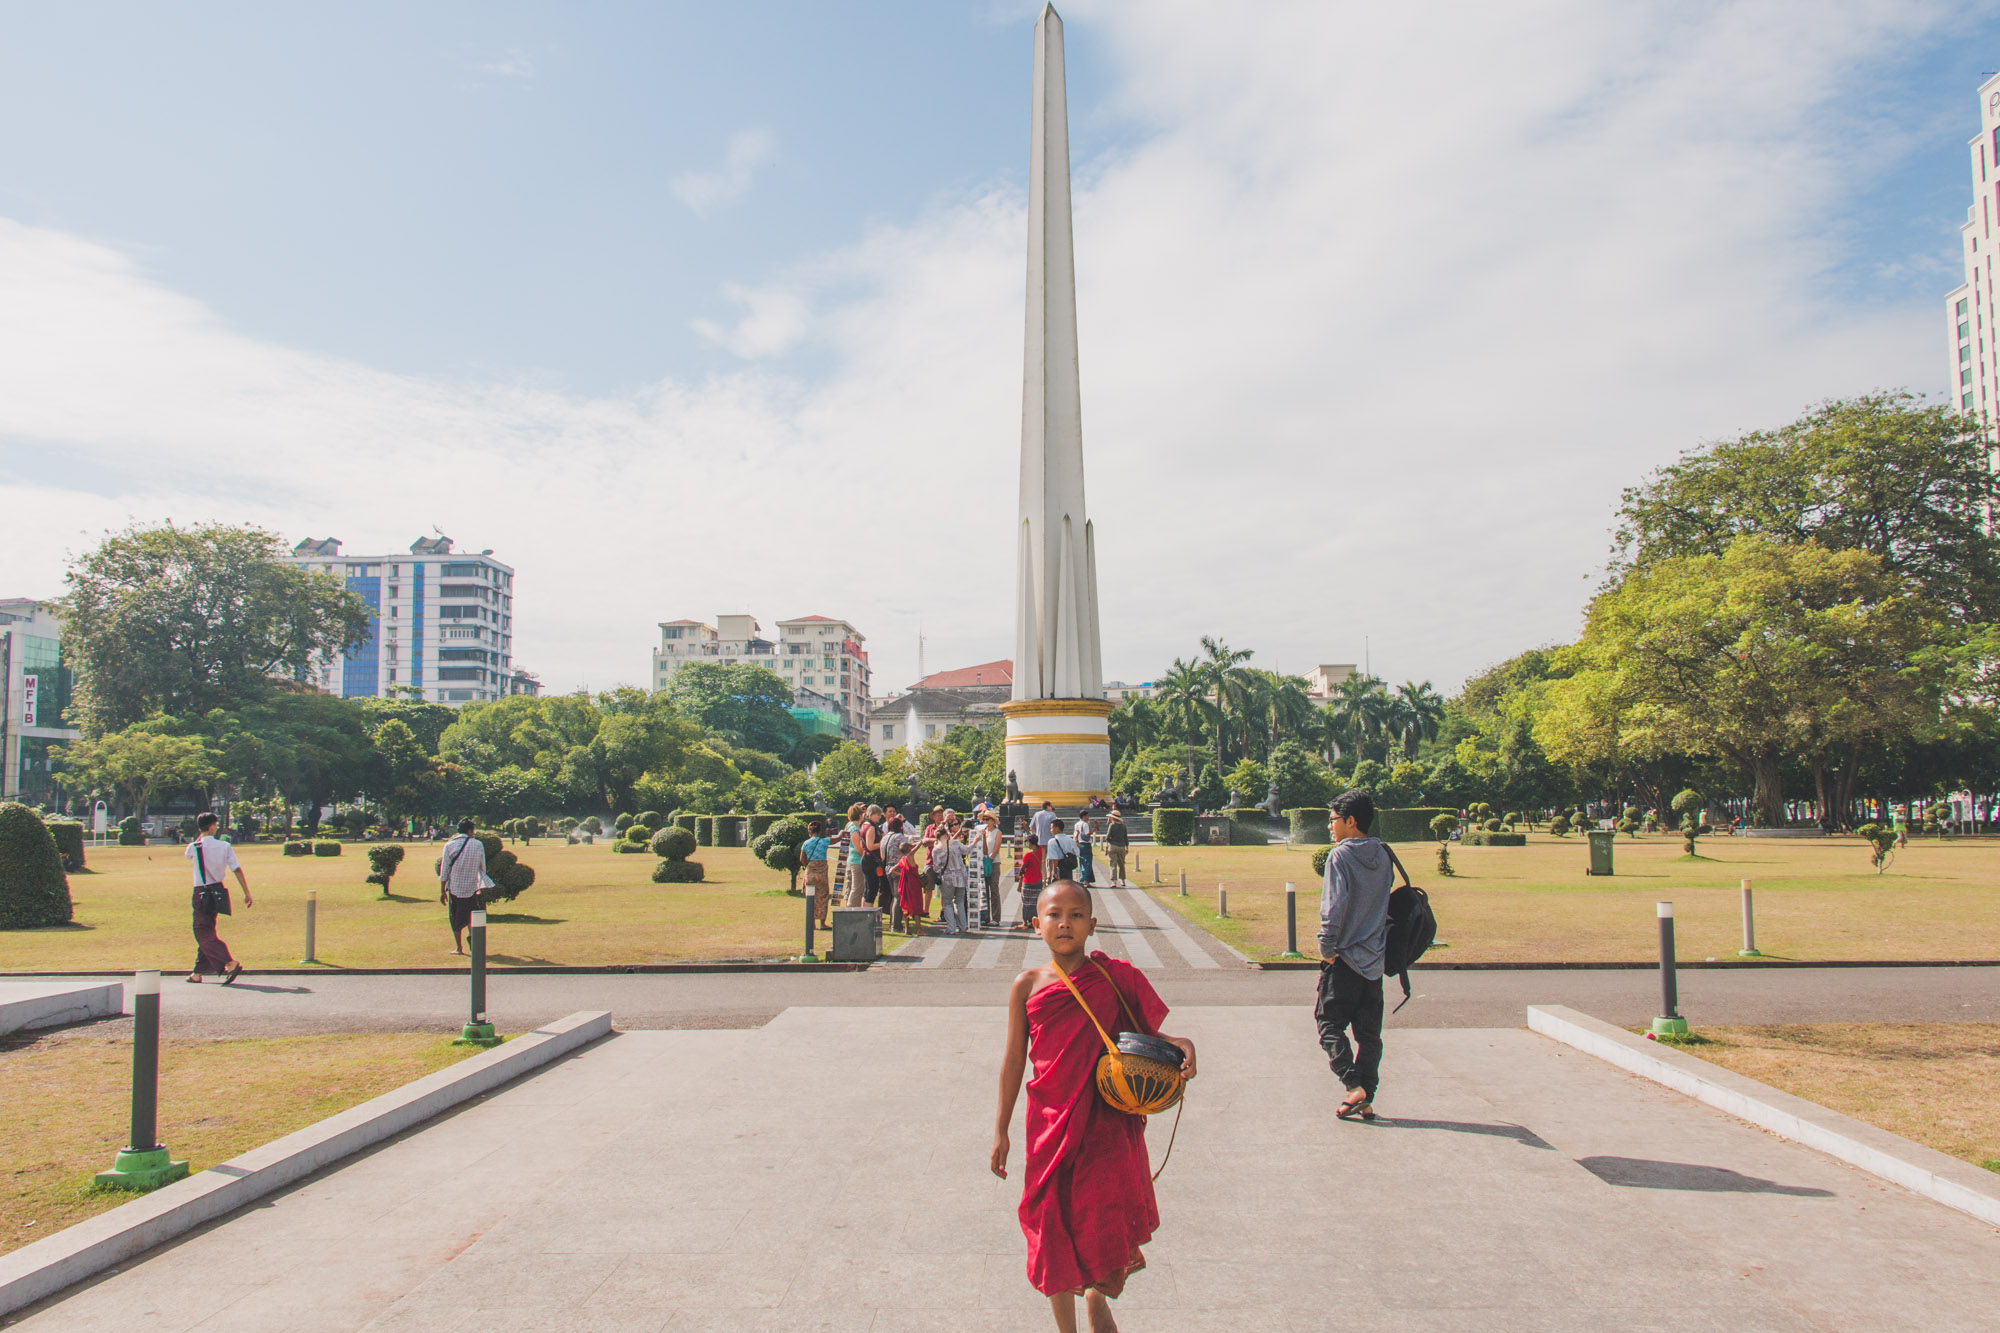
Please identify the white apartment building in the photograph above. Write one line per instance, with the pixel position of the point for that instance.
(816, 654)
(34, 690)
(441, 624)
(1974, 360)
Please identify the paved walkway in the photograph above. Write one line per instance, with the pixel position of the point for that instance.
(1130, 926)
(828, 1172)
(331, 1002)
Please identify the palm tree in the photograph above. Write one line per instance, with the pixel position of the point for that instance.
(1222, 666)
(1360, 708)
(1291, 708)
(1182, 695)
(1419, 710)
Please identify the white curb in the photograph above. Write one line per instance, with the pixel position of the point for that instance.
(95, 1244)
(25, 1005)
(1933, 1174)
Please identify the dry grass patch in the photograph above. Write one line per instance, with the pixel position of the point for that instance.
(588, 906)
(65, 1104)
(1937, 1083)
(1816, 899)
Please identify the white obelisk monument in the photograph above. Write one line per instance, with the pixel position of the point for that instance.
(1058, 743)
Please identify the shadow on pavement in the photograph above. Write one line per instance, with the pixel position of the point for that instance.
(1639, 1173)
(270, 990)
(1518, 1133)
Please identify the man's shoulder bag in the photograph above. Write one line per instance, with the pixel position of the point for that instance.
(1412, 929)
(209, 897)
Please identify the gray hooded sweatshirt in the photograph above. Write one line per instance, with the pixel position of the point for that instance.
(1354, 905)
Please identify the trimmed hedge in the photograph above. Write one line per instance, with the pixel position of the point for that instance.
(1483, 838)
(33, 889)
(677, 872)
(729, 830)
(673, 844)
(296, 848)
(68, 834)
(130, 834)
(1173, 827)
(759, 825)
(704, 830)
(1408, 825)
(629, 847)
(1248, 826)
(685, 821)
(1308, 826)
(325, 847)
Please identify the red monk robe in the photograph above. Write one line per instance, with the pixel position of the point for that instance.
(1087, 1202)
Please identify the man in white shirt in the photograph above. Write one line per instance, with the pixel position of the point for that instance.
(1044, 819)
(461, 875)
(210, 859)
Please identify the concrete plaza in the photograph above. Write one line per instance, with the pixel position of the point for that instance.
(828, 1171)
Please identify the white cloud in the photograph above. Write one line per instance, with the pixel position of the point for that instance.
(1374, 327)
(513, 65)
(705, 191)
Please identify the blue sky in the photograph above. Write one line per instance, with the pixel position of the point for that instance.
(695, 309)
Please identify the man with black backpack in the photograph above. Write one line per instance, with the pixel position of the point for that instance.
(1353, 935)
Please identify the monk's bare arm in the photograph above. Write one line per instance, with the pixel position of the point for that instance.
(1013, 1065)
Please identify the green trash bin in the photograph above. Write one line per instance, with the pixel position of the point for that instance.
(1601, 841)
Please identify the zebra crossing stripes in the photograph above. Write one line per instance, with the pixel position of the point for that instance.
(1169, 922)
(941, 948)
(1125, 931)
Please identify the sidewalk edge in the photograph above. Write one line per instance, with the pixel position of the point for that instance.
(1935, 1175)
(53, 1263)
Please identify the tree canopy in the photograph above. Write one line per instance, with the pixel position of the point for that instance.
(179, 621)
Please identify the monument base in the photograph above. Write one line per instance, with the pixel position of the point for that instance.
(1059, 750)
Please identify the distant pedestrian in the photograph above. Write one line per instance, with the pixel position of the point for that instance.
(1060, 854)
(1029, 873)
(1353, 932)
(213, 858)
(1116, 840)
(872, 865)
(986, 846)
(1086, 872)
(856, 881)
(948, 860)
(910, 887)
(1044, 818)
(462, 881)
(812, 859)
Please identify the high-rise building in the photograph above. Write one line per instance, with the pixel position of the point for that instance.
(1974, 360)
(440, 628)
(34, 690)
(816, 655)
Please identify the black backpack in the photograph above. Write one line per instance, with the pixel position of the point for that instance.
(1412, 929)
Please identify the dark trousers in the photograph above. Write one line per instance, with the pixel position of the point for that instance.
(1349, 1000)
(211, 956)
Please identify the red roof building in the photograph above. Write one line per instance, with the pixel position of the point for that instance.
(986, 673)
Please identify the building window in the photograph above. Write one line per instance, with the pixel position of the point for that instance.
(930, 729)
(671, 632)
(1961, 311)
(1966, 402)
(1964, 352)
(888, 731)
(1965, 376)
(1964, 329)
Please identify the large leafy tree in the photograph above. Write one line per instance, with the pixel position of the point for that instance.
(138, 763)
(180, 621)
(1762, 653)
(1911, 484)
(746, 705)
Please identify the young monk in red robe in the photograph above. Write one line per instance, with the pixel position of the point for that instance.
(1087, 1201)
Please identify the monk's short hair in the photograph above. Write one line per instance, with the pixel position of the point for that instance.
(1084, 889)
(205, 821)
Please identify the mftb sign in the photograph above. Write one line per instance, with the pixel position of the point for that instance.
(28, 700)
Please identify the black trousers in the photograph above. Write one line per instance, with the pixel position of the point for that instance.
(1349, 1000)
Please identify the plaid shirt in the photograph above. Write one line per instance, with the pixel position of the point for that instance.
(464, 866)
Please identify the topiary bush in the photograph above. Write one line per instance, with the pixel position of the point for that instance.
(627, 847)
(130, 834)
(1442, 827)
(1881, 839)
(673, 844)
(531, 828)
(1560, 826)
(620, 824)
(1307, 825)
(382, 863)
(1407, 824)
(704, 830)
(68, 834)
(686, 821)
(296, 848)
(780, 847)
(325, 847)
(592, 824)
(729, 830)
(1490, 838)
(34, 892)
(1492, 826)
(510, 878)
(756, 826)
(189, 829)
(650, 818)
(1688, 806)
(677, 872)
(1173, 826)
(1319, 862)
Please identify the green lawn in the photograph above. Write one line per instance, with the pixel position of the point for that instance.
(588, 906)
(1815, 899)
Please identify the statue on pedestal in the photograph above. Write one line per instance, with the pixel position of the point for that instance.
(1270, 803)
(1014, 796)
